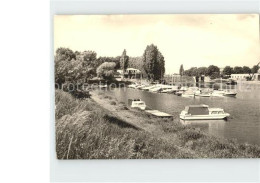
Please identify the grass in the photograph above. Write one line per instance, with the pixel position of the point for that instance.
(85, 130)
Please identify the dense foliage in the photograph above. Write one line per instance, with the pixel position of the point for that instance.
(153, 61)
(106, 70)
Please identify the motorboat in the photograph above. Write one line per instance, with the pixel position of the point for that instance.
(169, 89)
(179, 93)
(203, 95)
(132, 85)
(137, 103)
(217, 93)
(230, 93)
(103, 86)
(188, 94)
(140, 86)
(183, 88)
(203, 112)
(147, 88)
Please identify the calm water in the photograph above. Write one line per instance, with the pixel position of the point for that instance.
(243, 124)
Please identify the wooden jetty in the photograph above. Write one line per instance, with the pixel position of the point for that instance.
(159, 113)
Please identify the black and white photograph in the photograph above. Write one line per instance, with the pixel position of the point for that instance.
(157, 86)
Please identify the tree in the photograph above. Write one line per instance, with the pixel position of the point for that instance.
(153, 61)
(181, 71)
(202, 71)
(228, 70)
(106, 70)
(246, 70)
(255, 69)
(213, 71)
(124, 61)
(64, 54)
(238, 70)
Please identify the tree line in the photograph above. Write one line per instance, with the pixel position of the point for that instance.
(79, 67)
(214, 72)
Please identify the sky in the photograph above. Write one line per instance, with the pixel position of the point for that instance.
(194, 40)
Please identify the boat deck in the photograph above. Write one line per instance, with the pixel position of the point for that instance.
(159, 113)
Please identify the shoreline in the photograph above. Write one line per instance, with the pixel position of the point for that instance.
(155, 127)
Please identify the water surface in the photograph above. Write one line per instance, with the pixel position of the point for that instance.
(244, 109)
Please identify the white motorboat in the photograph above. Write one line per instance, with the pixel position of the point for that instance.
(147, 88)
(132, 85)
(179, 93)
(217, 93)
(169, 89)
(188, 94)
(203, 95)
(230, 94)
(183, 88)
(202, 112)
(103, 86)
(137, 103)
(141, 86)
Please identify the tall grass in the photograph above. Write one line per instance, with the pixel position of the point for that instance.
(85, 132)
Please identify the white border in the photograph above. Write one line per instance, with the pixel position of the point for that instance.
(235, 170)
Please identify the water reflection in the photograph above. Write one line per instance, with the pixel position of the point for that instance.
(214, 127)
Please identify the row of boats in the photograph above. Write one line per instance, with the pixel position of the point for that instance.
(191, 112)
(184, 91)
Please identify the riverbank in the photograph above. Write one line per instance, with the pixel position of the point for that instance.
(104, 128)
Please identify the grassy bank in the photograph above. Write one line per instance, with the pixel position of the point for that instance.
(85, 130)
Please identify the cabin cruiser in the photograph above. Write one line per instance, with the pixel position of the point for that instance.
(137, 103)
(202, 112)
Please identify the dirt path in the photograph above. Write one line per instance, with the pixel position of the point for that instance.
(126, 115)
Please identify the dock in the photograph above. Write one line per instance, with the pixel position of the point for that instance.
(159, 113)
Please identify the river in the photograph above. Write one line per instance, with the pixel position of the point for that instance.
(244, 110)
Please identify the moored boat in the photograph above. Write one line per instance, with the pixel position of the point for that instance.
(202, 112)
(230, 94)
(137, 103)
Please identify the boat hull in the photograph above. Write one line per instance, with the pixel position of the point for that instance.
(204, 117)
(230, 94)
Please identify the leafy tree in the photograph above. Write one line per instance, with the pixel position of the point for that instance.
(238, 70)
(181, 71)
(213, 71)
(101, 60)
(228, 70)
(255, 69)
(202, 71)
(246, 70)
(153, 61)
(64, 54)
(106, 70)
(124, 61)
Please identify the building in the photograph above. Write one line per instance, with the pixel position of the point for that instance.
(130, 73)
(243, 77)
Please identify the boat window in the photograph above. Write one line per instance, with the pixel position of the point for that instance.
(214, 112)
